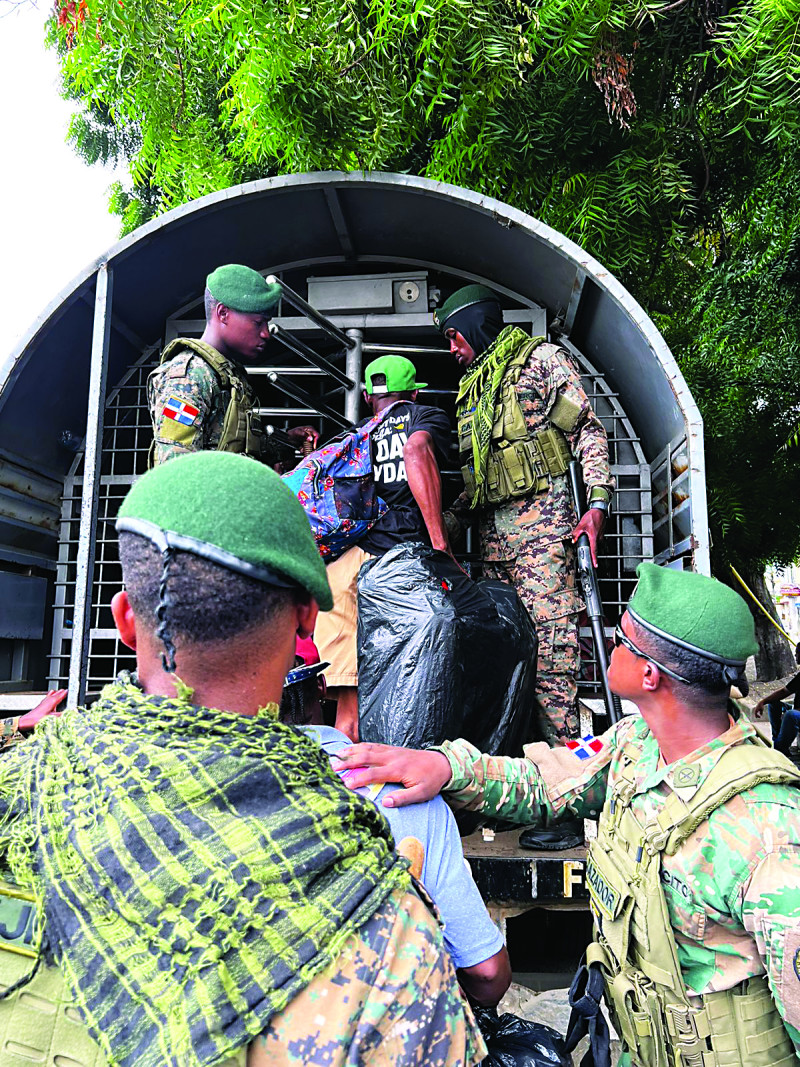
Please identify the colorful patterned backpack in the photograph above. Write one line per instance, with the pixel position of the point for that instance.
(337, 490)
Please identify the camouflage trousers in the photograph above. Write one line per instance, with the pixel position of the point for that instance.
(543, 576)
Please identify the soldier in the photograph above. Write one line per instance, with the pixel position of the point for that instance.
(200, 397)
(188, 869)
(522, 414)
(694, 877)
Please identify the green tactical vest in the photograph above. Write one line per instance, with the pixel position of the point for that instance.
(518, 463)
(635, 945)
(242, 430)
(39, 1023)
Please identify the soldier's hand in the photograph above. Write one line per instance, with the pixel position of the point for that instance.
(422, 774)
(48, 706)
(300, 435)
(592, 524)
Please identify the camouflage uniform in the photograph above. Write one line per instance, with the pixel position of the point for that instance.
(732, 888)
(188, 379)
(391, 996)
(526, 542)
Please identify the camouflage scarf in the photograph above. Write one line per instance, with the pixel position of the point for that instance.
(194, 869)
(478, 392)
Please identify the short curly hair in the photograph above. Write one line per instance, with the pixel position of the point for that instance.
(206, 602)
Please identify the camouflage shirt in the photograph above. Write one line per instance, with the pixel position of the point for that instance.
(188, 380)
(732, 889)
(391, 997)
(507, 530)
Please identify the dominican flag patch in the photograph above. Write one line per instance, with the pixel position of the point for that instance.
(586, 747)
(180, 411)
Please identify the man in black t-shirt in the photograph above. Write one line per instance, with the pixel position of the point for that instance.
(407, 448)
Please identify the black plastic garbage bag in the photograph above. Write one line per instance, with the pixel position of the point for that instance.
(441, 656)
(515, 1042)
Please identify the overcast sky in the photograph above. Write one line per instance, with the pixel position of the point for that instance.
(53, 215)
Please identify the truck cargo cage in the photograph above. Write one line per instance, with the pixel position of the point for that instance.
(372, 254)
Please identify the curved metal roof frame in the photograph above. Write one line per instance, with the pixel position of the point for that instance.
(351, 219)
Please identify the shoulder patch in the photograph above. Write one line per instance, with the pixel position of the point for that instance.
(790, 976)
(176, 433)
(585, 747)
(180, 410)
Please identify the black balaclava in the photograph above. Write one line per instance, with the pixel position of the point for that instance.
(479, 324)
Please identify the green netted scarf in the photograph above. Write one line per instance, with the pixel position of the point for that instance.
(478, 392)
(194, 869)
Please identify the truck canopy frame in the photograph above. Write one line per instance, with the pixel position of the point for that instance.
(371, 251)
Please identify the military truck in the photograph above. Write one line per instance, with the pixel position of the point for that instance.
(362, 259)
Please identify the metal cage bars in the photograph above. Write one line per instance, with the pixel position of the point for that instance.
(89, 545)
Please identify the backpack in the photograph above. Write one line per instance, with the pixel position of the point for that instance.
(337, 490)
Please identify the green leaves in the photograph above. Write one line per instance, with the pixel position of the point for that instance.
(659, 134)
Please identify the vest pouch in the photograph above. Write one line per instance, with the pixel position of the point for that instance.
(509, 423)
(555, 452)
(746, 1028)
(465, 434)
(254, 435)
(469, 479)
(638, 1019)
(495, 486)
(519, 472)
(234, 429)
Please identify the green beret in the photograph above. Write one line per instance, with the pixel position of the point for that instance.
(400, 374)
(696, 612)
(461, 298)
(242, 288)
(232, 511)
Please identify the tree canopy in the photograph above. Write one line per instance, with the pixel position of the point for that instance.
(661, 136)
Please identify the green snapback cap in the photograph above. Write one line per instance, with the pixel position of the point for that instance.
(242, 288)
(460, 299)
(400, 374)
(696, 612)
(233, 511)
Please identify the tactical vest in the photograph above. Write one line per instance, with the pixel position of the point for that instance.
(518, 462)
(39, 1022)
(242, 430)
(635, 946)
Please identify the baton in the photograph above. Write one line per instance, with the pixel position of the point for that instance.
(591, 594)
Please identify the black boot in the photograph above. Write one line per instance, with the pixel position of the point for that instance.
(566, 833)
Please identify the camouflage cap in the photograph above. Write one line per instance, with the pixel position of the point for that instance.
(242, 288)
(460, 299)
(695, 612)
(232, 511)
(399, 372)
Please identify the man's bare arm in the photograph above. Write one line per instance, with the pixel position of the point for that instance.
(486, 982)
(425, 483)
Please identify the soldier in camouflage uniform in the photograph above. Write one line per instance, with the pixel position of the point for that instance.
(694, 877)
(200, 397)
(527, 521)
(233, 886)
